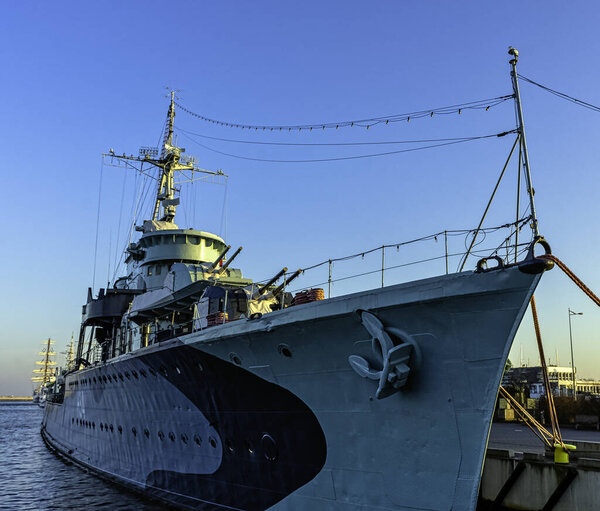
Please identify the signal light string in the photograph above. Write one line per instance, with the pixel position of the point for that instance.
(483, 104)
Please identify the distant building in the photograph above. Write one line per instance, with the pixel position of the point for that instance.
(561, 381)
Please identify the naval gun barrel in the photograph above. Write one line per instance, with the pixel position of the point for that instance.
(278, 289)
(273, 280)
(230, 260)
(218, 259)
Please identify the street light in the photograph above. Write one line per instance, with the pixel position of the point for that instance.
(571, 313)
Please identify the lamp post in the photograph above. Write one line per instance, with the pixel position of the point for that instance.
(571, 313)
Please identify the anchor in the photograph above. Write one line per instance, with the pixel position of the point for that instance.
(394, 359)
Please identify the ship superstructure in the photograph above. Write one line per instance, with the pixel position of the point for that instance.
(208, 390)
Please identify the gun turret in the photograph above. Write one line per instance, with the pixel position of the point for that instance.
(218, 259)
(230, 260)
(271, 282)
(279, 288)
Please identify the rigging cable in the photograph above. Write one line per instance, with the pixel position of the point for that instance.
(97, 224)
(356, 157)
(326, 144)
(463, 262)
(223, 226)
(117, 259)
(561, 95)
(483, 104)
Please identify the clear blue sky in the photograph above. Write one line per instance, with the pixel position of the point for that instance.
(80, 78)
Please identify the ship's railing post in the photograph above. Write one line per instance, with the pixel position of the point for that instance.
(329, 282)
(382, 263)
(446, 249)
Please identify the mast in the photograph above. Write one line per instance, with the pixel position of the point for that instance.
(171, 118)
(169, 159)
(521, 129)
(45, 373)
(69, 353)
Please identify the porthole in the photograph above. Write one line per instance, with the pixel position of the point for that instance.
(249, 446)
(161, 435)
(184, 438)
(171, 436)
(127, 375)
(104, 379)
(164, 371)
(152, 371)
(120, 430)
(212, 442)
(121, 376)
(95, 380)
(269, 447)
(134, 431)
(135, 375)
(229, 445)
(93, 425)
(178, 370)
(109, 378)
(198, 440)
(101, 427)
(146, 432)
(200, 367)
(234, 357)
(111, 428)
(77, 421)
(143, 373)
(284, 350)
(72, 420)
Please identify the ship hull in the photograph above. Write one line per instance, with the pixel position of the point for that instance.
(270, 414)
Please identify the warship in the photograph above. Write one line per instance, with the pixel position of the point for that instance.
(202, 388)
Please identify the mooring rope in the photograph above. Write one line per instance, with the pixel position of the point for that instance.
(573, 277)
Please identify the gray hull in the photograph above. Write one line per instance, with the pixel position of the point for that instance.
(270, 414)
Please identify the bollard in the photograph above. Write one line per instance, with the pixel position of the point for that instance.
(561, 455)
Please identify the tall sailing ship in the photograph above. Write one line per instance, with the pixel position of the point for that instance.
(203, 388)
(44, 375)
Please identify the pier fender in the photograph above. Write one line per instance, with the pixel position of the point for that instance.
(395, 358)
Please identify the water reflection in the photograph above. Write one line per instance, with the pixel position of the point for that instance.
(33, 478)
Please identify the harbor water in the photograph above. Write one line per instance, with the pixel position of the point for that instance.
(33, 478)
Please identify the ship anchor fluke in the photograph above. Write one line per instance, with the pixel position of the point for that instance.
(395, 359)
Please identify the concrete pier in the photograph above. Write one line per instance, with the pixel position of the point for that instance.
(524, 476)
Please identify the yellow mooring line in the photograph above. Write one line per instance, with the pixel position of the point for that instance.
(554, 438)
